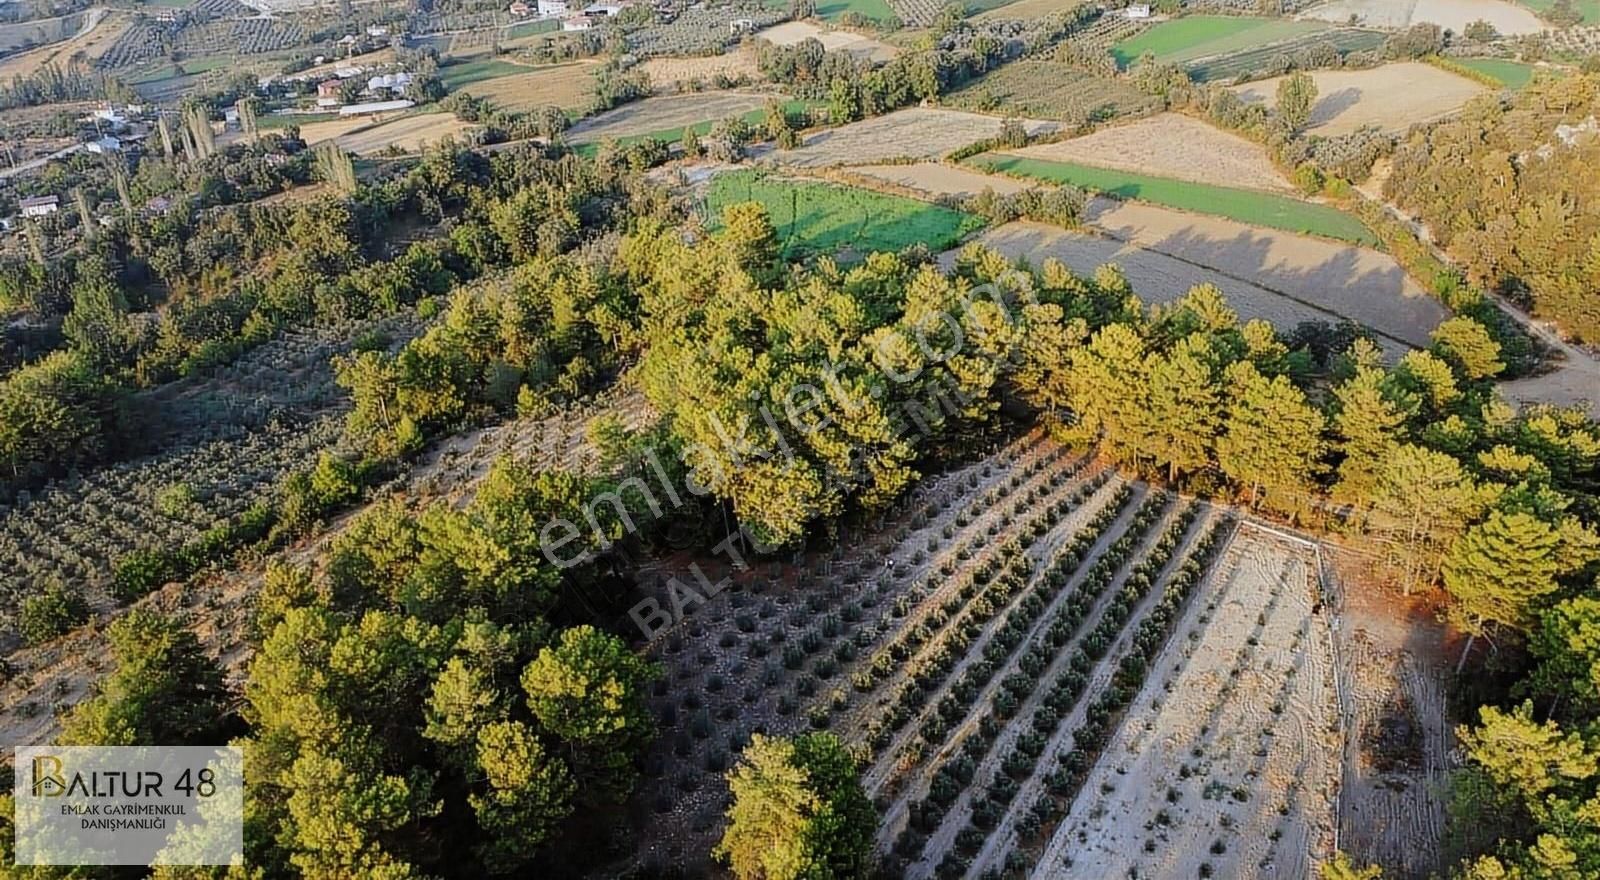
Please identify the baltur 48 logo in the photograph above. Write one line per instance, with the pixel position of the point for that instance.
(52, 778)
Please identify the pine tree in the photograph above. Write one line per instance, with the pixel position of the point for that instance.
(1500, 569)
(1272, 438)
(1185, 406)
(1423, 499)
(798, 811)
(1369, 420)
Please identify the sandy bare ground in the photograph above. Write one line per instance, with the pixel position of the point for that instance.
(916, 133)
(1170, 145)
(1567, 386)
(100, 29)
(1455, 15)
(1358, 283)
(1157, 277)
(935, 179)
(674, 73)
(1393, 97)
(665, 112)
(410, 134)
(791, 32)
(568, 86)
(1234, 744)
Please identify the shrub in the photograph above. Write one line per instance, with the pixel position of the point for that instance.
(50, 613)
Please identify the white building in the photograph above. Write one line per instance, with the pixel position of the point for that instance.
(374, 107)
(549, 8)
(602, 10)
(577, 23)
(105, 144)
(1138, 10)
(388, 82)
(40, 206)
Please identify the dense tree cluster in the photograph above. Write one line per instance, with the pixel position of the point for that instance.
(798, 811)
(413, 707)
(1509, 189)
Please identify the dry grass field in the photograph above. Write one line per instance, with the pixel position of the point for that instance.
(316, 132)
(408, 134)
(1170, 145)
(1227, 764)
(99, 32)
(916, 132)
(663, 113)
(1507, 18)
(568, 86)
(1392, 97)
(673, 74)
(934, 179)
(791, 32)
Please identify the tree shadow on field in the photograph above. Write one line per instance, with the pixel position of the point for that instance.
(1332, 104)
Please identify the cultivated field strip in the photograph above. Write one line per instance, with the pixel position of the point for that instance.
(1009, 766)
(782, 648)
(1099, 501)
(958, 613)
(1237, 737)
(1056, 637)
(1130, 621)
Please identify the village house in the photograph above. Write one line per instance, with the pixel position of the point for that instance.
(520, 9)
(551, 8)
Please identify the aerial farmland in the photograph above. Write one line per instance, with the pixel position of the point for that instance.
(861, 440)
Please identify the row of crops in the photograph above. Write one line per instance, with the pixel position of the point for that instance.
(789, 647)
(1277, 58)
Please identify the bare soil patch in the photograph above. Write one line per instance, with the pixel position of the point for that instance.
(1393, 97)
(1170, 145)
(1357, 283)
(662, 113)
(791, 32)
(677, 73)
(568, 86)
(316, 132)
(409, 134)
(935, 179)
(1507, 18)
(1397, 658)
(916, 133)
(1229, 757)
(1157, 277)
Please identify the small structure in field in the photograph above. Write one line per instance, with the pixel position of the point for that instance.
(40, 206)
(577, 23)
(1138, 10)
(519, 9)
(551, 8)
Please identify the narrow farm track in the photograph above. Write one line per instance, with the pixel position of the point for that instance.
(879, 774)
(1003, 838)
(1102, 572)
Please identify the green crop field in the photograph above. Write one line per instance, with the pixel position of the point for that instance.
(832, 10)
(1201, 36)
(465, 73)
(1243, 205)
(1511, 74)
(814, 217)
(1590, 9)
